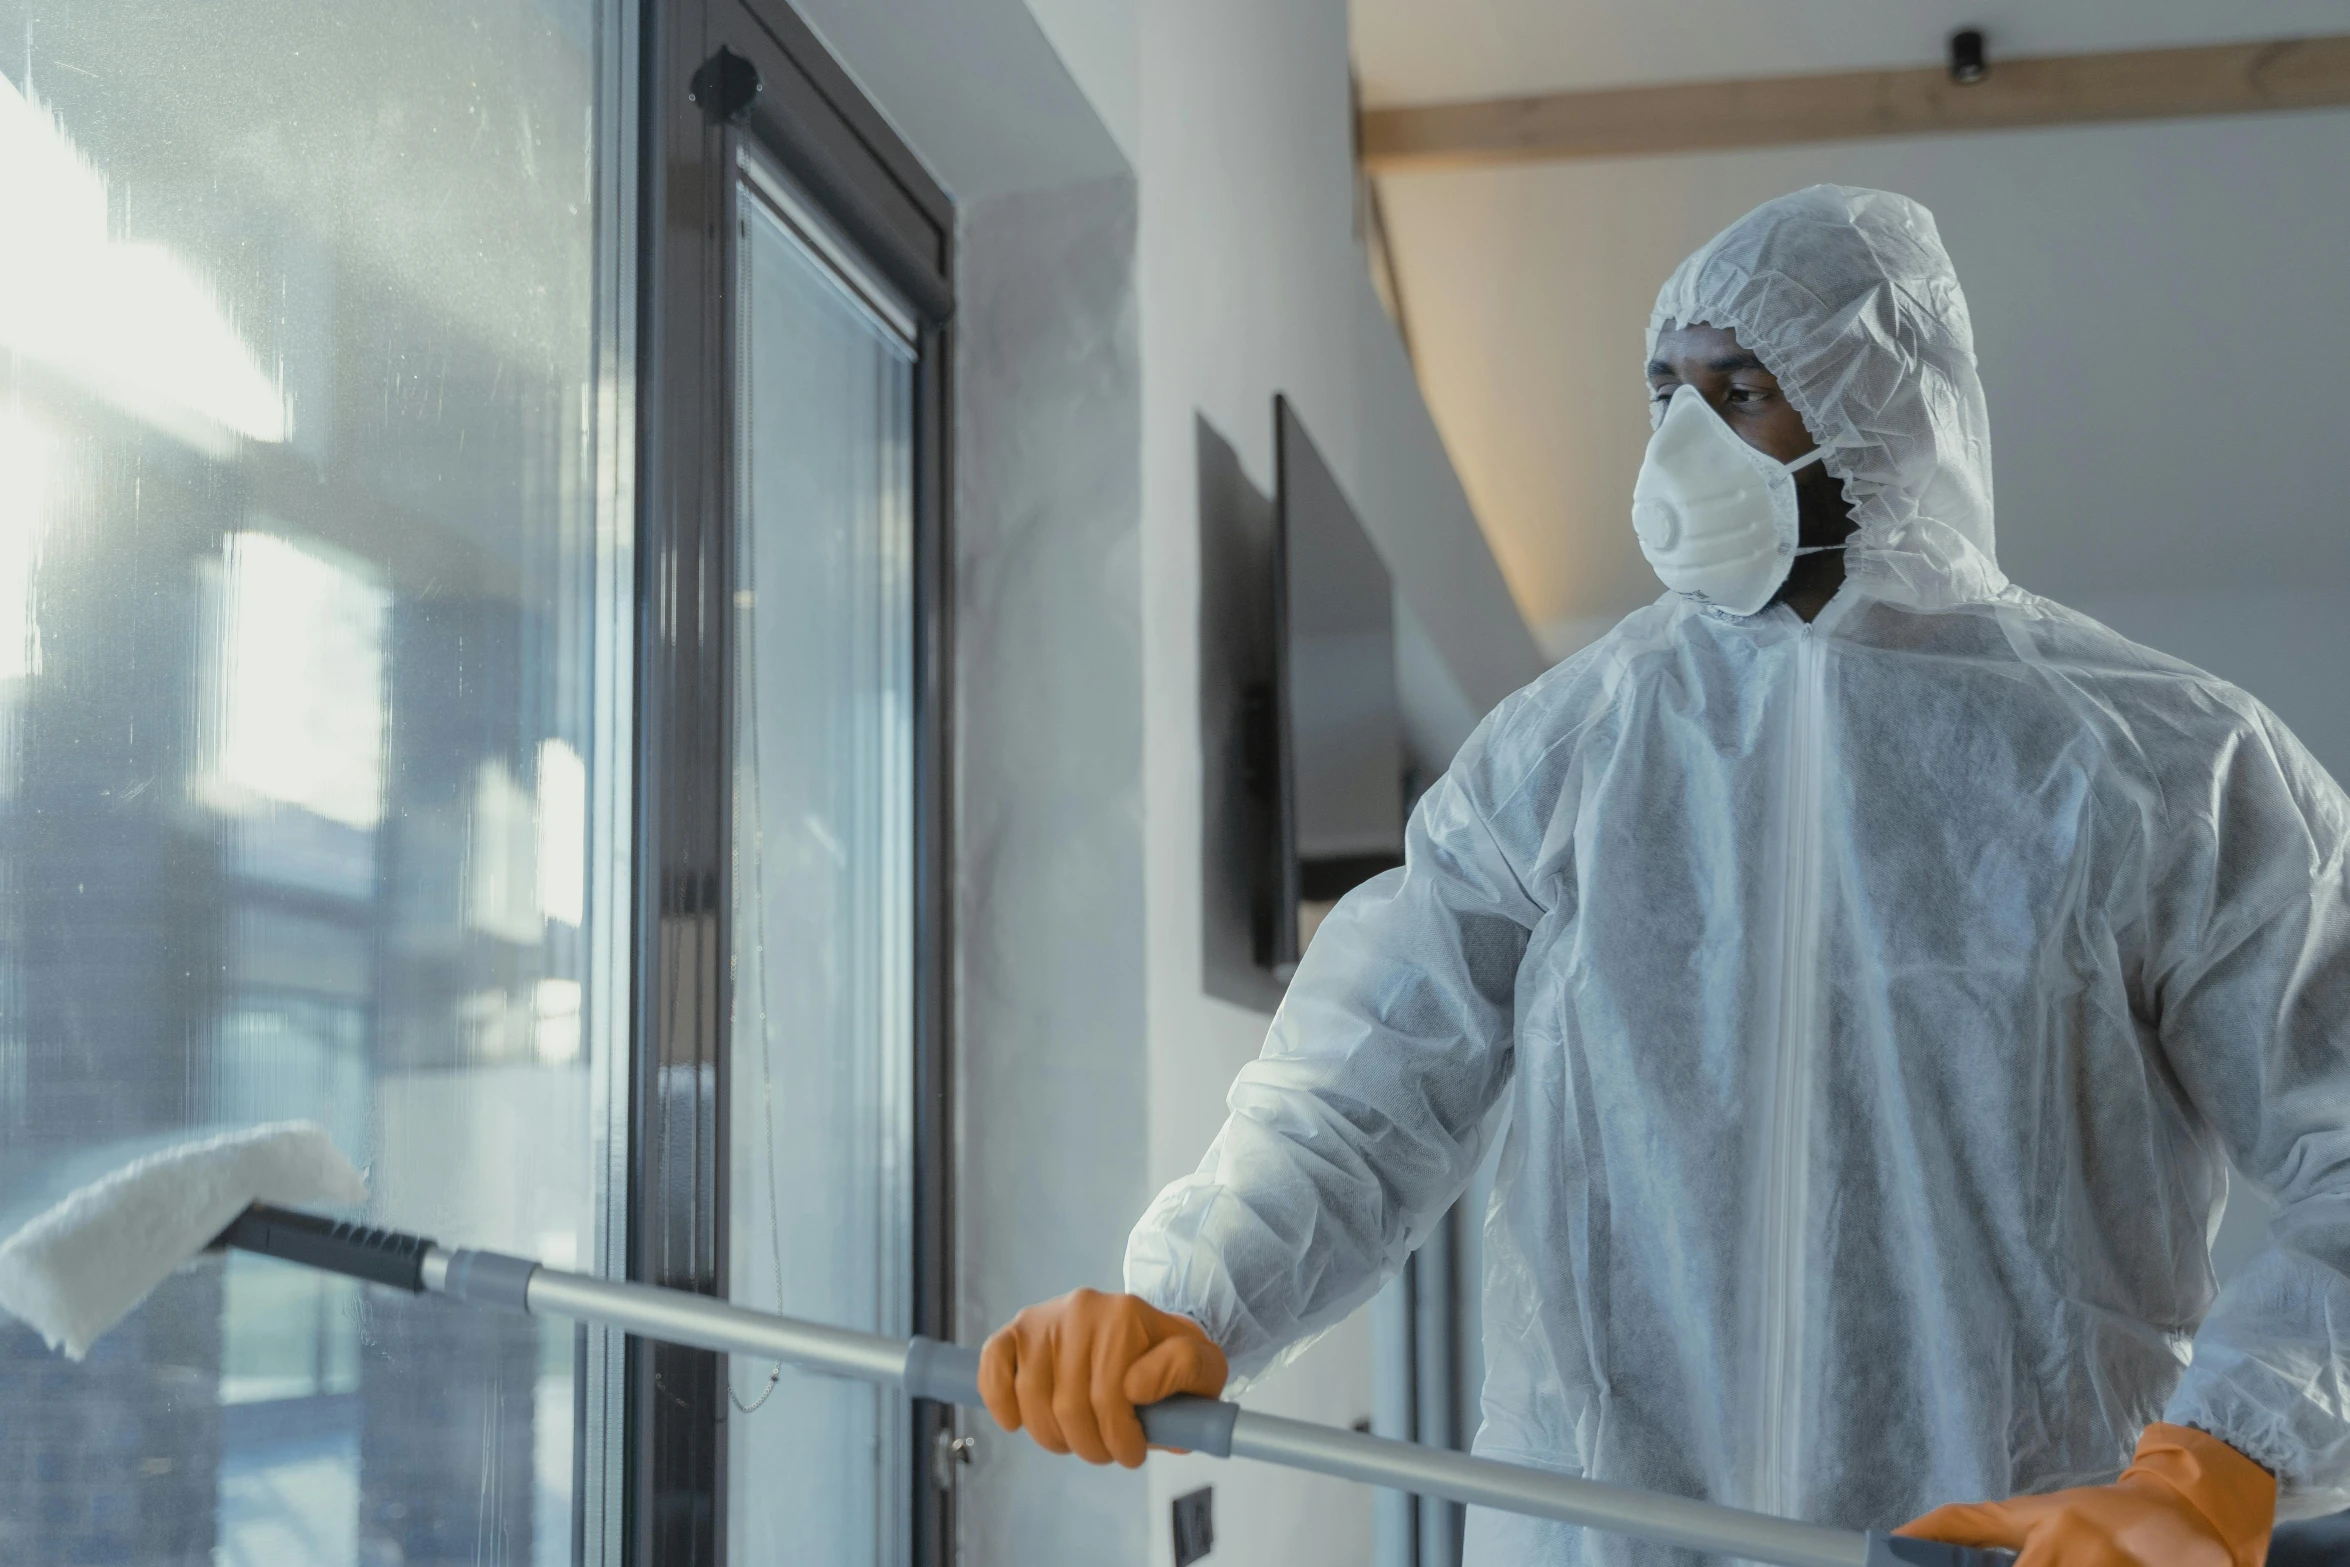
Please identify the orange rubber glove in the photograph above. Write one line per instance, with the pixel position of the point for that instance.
(2187, 1500)
(1072, 1370)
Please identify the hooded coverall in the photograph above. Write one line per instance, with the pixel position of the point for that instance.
(1870, 1009)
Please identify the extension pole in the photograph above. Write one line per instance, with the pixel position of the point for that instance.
(948, 1373)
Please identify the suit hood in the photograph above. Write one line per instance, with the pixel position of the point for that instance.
(1847, 296)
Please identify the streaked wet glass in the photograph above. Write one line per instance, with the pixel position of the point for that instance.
(299, 628)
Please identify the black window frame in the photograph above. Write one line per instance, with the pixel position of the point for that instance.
(808, 118)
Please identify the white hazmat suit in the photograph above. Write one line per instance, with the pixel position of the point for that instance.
(1872, 1006)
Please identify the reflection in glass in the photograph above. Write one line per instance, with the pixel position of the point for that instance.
(300, 665)
(823, 911)
(299, 559)
(122, 318)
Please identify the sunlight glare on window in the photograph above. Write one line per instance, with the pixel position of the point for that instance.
(562, 833)
(501, 886)
(126, 320)
(555, 1037)
(301, 684)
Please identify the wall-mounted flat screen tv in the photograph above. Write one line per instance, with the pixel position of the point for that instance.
(1341, 742)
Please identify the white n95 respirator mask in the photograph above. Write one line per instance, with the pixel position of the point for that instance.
(1716, 518)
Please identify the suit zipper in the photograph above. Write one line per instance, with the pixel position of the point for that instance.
(1786, 1197)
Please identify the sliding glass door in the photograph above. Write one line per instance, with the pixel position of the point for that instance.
(821, 1048)
(793, 1108)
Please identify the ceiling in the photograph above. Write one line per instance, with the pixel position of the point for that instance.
(2088, 254)
(1425, 51)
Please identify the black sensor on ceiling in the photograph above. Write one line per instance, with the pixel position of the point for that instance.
(1967, 64)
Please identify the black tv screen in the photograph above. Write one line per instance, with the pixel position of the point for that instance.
(1341, 742)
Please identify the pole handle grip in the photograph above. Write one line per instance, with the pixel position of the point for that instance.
(332, 1245)
(943, 1373)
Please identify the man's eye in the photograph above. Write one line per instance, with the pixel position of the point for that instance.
(1749, 394)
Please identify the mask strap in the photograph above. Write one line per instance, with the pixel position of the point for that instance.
(1797, 466)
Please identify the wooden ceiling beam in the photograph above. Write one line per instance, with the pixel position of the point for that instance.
(2076, 89)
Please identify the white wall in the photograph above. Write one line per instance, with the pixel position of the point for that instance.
(1100, 41)
(1051, 1032)
(975, 88)
(1252, 282)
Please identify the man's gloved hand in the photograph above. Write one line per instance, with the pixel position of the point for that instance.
(1072, 1370)
(2187, 1500)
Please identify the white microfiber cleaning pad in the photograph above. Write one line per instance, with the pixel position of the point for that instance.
(81, 1267)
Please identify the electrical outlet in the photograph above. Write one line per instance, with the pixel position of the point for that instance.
(1195, 1525)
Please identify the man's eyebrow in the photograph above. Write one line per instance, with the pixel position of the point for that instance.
(1722, 366)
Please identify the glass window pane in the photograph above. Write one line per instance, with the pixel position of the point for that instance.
(302, 608)
(823, 911)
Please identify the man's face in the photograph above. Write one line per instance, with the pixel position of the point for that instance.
(1748, 398)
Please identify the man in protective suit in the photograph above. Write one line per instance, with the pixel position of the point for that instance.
(1870, 989)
